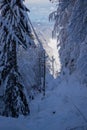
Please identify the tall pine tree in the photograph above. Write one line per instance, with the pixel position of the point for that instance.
(14, 30)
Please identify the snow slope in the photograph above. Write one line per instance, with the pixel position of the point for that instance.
(28, 59)
(63, 108)
(44, 32)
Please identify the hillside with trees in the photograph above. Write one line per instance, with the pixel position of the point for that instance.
(43, 77)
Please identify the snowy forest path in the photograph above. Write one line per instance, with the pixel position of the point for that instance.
(62, 108)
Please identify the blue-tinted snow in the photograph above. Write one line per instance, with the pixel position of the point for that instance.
(63, 108)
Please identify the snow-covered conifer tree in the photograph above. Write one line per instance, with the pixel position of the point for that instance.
(70, 27)
(14, 30)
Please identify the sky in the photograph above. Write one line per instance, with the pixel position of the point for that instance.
(40, 10)
(36, 1)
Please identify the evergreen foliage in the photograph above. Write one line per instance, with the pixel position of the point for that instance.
(14, 30)
(70, 28)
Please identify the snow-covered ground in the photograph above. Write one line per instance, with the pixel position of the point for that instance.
(63, 108)
(65, 105)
